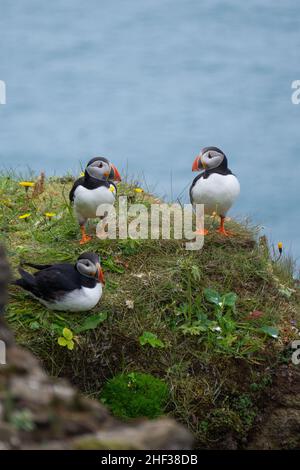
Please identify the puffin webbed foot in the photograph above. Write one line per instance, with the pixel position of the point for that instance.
(201, 231)
(225, 233)
(85, 240)
(84, 237)
(222, 231)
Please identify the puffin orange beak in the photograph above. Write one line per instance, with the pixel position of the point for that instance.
(100, 274)
(197, 163)
(114, 174)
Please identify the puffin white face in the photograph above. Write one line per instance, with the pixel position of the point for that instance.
(91, 269)
(99, 169)
(208, 159)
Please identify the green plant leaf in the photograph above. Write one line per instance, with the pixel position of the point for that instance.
(67, 334)
(22, 420)
(55, 327)
(212, 296)
(193, 329)
(228, 340)
(62, 341)
(195, 272)
(229, 299)
(227, 323)
(91, 322)
(151, 339)
(34, 325)
(201, 317)
(131, 377)
(286, 291)
(270, 331)
(70, 345)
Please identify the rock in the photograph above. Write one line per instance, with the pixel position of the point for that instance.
(5, 276)
(162, 433)
(279, 426)
(61, 418)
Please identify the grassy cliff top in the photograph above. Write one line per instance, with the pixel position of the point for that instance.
(213, 323)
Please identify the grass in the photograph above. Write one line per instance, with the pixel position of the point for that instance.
(163, 311)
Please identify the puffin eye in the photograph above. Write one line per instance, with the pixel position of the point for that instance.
(209, 155)
(100, 165)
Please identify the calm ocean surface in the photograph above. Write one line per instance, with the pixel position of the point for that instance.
(148, 83)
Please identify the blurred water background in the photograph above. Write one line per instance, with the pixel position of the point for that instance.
(148, 83)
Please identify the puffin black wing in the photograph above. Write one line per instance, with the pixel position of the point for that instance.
(50, 283)
(193, 184)
(79, 182)
(27, 282)
(37, 266)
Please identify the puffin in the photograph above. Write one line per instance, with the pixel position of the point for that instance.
(216, 186)
(63, 286)
(96, 187)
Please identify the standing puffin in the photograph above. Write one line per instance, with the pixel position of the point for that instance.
(216, 186)
(96, 187)
(65, 286)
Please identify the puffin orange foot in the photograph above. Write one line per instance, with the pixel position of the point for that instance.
(225, 233)
(85, 239)
(202, 231)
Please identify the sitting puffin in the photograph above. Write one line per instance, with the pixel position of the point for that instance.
(215, 187)
(64, 286)
(96, 187)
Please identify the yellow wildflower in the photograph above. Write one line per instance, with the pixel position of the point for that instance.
(138, 190)
(49, 214)
(26, 184)
(24, 216)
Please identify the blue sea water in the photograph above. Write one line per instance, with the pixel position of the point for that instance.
(148, 83)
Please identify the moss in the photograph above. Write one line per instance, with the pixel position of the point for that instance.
(135, 395)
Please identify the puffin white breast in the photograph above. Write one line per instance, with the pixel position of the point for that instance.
(217, 192)
(86, 201)
(79, 300)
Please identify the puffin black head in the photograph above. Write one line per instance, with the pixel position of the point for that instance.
(88, 264)
(102, 169)
(210, 158)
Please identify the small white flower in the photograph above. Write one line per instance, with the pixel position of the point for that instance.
(217, 328)
(129, 304)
